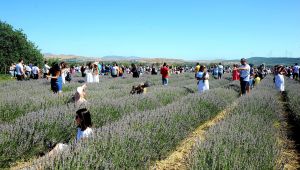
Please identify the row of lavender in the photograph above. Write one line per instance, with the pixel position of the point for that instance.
(249, 138)
(42, 123)
(19, 98)
(293, 94)
(140, 138)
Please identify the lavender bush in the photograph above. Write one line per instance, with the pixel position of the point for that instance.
(38, 118)
(138, 139)
(293, 89)
(247, 138)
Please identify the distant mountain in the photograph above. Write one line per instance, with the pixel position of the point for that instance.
(75, 58)
(274, 60)
(61, 56)
(271, 61)
(253, 60)
(123, 58)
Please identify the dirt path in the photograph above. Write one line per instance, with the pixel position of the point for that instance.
(289, 157)
(177, 159)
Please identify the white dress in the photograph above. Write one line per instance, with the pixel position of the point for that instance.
(279, 82)
(89, 76)
(63, 76)
(203, 85)
(95, 77)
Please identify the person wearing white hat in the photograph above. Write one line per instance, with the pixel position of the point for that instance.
(80, 94)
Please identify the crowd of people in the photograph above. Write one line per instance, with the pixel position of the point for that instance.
(248, 74)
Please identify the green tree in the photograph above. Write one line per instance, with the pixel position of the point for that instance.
(14, 45)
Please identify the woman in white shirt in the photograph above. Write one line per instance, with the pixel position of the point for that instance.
(202, 77)
(64, 70)
(279, 79)
(84, 131)
(84, 124)
(95, 73)
(89, 75)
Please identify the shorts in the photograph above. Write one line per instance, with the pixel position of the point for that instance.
(20, 77)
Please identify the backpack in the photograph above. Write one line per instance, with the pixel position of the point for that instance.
(68, 77)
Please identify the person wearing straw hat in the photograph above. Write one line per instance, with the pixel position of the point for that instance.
(80, 94)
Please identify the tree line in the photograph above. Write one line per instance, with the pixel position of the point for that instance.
(14, 45)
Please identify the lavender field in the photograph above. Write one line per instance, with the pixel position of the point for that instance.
(134, 131)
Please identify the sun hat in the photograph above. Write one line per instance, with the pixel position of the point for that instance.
(80, 89)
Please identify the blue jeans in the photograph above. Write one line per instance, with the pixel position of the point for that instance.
(165, 81)
(244, 85)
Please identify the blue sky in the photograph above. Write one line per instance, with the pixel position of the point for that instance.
(187, 29)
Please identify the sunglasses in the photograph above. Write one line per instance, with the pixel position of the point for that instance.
(76, 117)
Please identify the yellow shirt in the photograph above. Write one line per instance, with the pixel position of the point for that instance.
(257, 80)
(197, 68)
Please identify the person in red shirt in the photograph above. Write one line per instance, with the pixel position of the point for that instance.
(164, 71)
(235, 72)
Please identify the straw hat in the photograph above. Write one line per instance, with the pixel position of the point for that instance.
(81, 89)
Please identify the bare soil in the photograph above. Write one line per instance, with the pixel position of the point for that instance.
(290, 154)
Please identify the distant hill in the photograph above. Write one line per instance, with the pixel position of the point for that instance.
(61, 56)
(116, 58)
(274, 60)
(271, 61)
(75, 58)
(253, 60)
